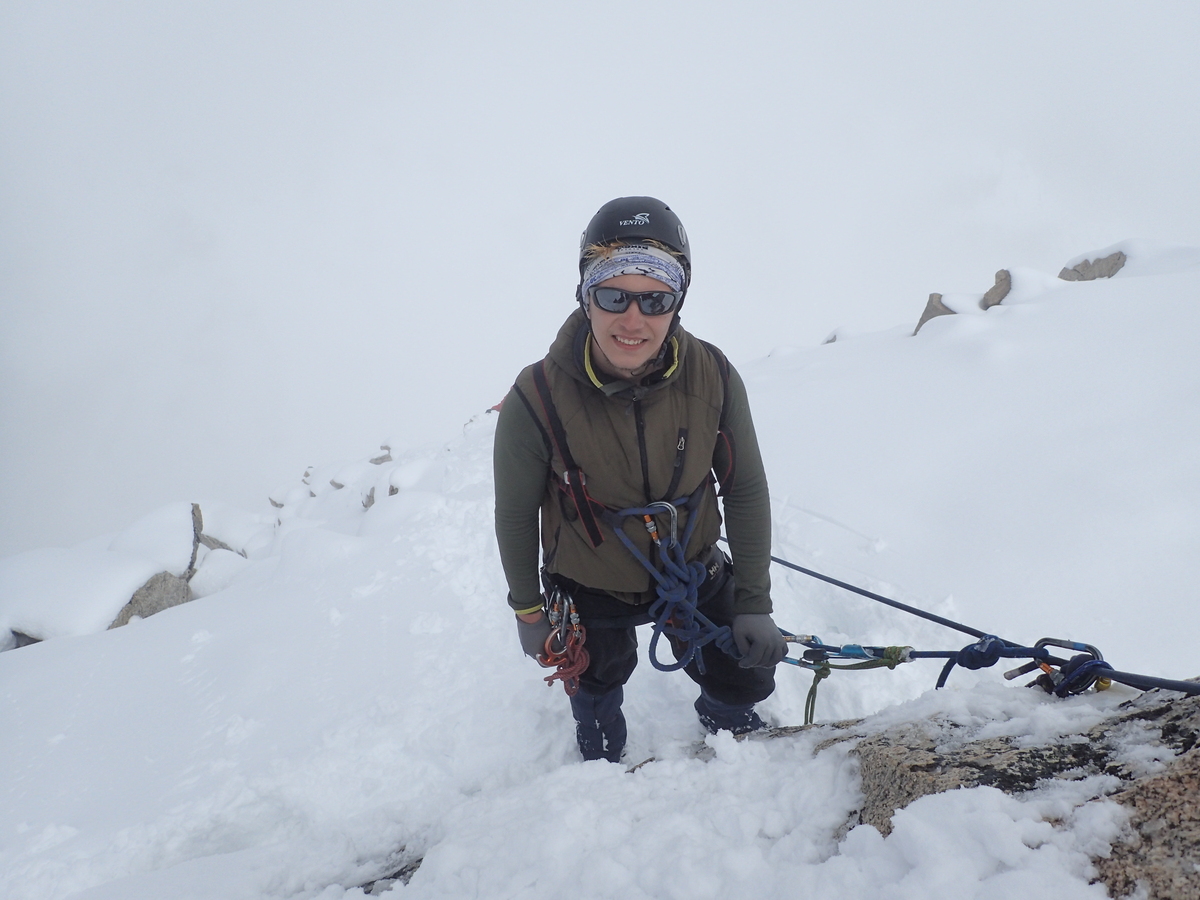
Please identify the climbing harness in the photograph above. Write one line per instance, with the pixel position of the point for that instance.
(564, 650)
(677, 585)
(1061, 677)
(674, 611)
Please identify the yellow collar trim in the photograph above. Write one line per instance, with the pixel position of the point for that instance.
(591, 372)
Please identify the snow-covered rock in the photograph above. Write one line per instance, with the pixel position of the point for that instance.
(55, 592)
(162, 591)
(1090, 270)
(106, 583)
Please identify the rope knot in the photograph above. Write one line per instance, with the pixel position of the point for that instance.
(1079, 674)
(985, 652)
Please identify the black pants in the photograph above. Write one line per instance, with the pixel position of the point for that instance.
(612, 643)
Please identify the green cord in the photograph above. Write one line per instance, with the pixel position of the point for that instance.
(892, 657)
(810, 705)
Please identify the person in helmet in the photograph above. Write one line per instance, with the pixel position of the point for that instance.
(608, 456)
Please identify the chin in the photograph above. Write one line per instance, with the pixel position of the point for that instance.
(631, 365)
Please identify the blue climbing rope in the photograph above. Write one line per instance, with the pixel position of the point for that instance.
(677, 586)
(949, 623)
(1073, 675)
(675, 614)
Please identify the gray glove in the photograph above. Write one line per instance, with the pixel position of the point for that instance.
(533, 635)
(759, 640)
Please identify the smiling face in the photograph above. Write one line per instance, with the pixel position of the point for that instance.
(626, 341)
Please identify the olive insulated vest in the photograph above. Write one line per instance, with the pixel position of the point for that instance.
(612, 451)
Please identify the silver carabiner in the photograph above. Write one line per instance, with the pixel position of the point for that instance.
(670, 510)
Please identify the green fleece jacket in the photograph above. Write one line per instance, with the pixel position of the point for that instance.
(525, 464)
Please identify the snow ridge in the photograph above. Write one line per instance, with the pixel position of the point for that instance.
(351, 691)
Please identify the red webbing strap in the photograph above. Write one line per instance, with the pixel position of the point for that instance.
(574, 482)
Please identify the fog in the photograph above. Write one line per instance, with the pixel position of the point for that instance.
(240, 238)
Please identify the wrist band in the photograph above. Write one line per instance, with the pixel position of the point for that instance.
(528, 612)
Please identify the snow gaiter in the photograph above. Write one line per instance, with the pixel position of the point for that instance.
(599, 724)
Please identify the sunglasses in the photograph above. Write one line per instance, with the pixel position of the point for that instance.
(651, 303)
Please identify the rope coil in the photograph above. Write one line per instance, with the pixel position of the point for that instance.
(677, 585)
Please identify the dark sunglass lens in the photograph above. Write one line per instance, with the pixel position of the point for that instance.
(655, 303)
(611, 300)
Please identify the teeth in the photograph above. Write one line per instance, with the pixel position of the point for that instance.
(629, 342)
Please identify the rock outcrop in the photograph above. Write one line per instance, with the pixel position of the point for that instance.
(935, 306)
(1089, 270)
(997, 291)
(1161, 852)
(169, 587)
(162, 591)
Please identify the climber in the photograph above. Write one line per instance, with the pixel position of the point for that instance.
(628, 413)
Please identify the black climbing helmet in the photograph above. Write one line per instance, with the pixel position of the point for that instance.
(637, 218)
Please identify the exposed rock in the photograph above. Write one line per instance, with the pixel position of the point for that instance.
(997, 291)
(199, 538)
(401, 866)
(1162, 852)
(1150, 744)
(213, 543)
(385, 458)
(197, 533)
(337, 485)
(933, 308)
(369, 500)
(275, 504)
(21, 639)
(162, 591)
(899, 766)
(1090, 271)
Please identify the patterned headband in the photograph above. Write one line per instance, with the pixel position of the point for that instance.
(636, 259)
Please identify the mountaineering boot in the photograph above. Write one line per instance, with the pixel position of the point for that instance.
(599, 724)
(717, 716)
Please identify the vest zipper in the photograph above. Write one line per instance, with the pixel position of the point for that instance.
(680, 455)
(641, 436)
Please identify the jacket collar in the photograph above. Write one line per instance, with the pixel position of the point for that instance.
(573, 348)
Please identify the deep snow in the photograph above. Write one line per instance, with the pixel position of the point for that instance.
(354, 686)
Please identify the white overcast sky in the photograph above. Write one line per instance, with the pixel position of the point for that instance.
(239, 238)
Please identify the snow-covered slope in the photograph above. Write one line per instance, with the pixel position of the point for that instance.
(354, 687)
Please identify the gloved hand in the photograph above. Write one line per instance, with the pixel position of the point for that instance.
(759, 640)
(533, 634)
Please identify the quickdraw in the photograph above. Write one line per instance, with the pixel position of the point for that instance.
(818, 655)
(564, 649)
(1061, 677)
